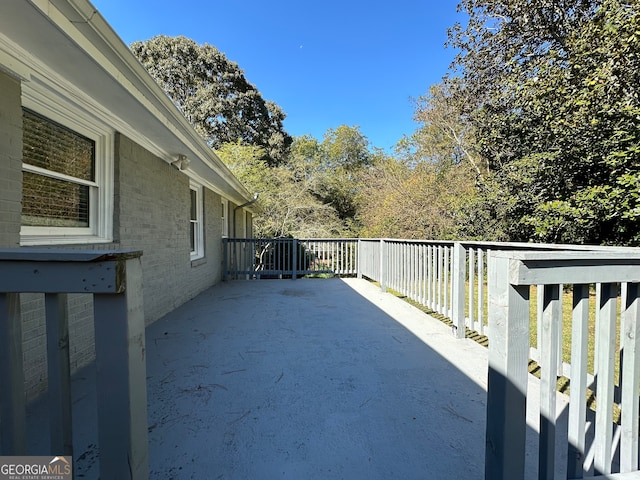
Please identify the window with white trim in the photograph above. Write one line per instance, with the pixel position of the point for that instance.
(225, 216)
(67, 190)
(196, 225)
(58, 174)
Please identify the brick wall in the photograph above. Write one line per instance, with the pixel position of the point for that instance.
(152, 215)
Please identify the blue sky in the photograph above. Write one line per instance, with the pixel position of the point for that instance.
(325, 63)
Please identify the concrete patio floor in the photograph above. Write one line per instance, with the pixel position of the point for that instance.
(308, 379)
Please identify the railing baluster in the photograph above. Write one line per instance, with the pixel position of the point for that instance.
(559, 337)
(440, 275)
(630, 384)
(605, 389)
(12, 393)
(447, 291)
(459, 261)
(578, 400)
(539, 310)
(548, 348)
(431, 277)
(481, 291)
(383, 268)
(471, 288)
(59, 372)
(423, 274)
(395, 264)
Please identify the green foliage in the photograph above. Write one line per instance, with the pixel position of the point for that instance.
(333, 168)
(446, 136)
(409, 199)
(553, 93)
(288, 205)
(214, 95)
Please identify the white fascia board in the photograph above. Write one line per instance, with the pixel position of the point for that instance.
(170, 134)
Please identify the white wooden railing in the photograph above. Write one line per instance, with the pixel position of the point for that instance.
(114, 278)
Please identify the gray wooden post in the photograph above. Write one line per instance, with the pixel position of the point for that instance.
(459, 275)
(59, 373)
(507, 377)
(121, 377)
(12, 393)
(472, 288)
(359, 259)
(383, 260)
(225, 263)
(294, 262)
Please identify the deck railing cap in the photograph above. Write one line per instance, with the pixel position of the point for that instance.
(630, 254)
(28, 254)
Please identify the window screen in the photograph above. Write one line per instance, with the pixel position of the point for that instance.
(194, 220)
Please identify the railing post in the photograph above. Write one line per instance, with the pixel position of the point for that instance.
(294, 262)
(383, 260)
(121, 377)
(507, 378)
(12, 393)
(225, 263)
(459, 275)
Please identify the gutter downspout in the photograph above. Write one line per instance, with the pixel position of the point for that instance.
(255, 199)
(234, 259)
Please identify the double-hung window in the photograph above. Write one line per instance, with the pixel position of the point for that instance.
(58, 181)
(225, 217)
(67, 179)
(196, 231)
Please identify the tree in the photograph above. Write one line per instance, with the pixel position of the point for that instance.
(594, 133)
(552, 94)
(408, 199)
(345, 157)
(446, 135)
(332, 168)
(214, 95)
(288, 205)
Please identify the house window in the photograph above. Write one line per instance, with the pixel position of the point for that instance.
(225, 216)
(59, 186)
(67, 179)
(196, 231)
